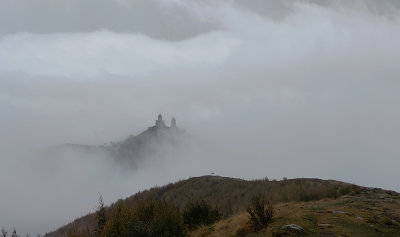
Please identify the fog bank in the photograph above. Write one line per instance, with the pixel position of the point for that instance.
(288, 89)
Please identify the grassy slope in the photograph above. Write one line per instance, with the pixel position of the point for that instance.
(232, 196)
(373, 212)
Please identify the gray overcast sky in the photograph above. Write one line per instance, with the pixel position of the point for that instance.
(280, 88)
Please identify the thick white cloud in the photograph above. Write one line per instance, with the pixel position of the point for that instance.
(295, 89)
(104, 52)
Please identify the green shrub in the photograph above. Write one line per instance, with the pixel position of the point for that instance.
(118, 223)
(167, 221)
(149, 218)
(157, 218)
(261, 212)
(355, 190)
(101, 217)
(200, 213)
(76, 233)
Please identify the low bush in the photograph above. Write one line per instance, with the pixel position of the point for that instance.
(261, 213)
(200, 213)
(147, 219)
(157, 218)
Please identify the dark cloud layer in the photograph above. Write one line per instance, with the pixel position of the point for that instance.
(163, 19)
(147, 17)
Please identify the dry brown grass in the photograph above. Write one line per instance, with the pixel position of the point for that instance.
(367, 214)
(227, 227)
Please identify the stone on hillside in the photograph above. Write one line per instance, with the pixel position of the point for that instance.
(292, 227)
(341, 212)
(359, 218)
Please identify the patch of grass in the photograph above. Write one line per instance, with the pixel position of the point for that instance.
(310, 218)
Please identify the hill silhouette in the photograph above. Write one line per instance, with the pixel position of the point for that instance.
(156, 141)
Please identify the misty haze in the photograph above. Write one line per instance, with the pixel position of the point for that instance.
(222, 101)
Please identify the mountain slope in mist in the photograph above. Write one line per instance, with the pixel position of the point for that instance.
(230, 195)
(155, 142)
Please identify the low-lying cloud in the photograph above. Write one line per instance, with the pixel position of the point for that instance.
(295, 89)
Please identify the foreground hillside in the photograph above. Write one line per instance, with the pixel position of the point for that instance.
(372, 212)
(231, 196)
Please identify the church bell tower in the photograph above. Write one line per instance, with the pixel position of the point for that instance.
(160, 122)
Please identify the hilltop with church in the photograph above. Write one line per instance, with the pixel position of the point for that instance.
(156, 140)
(160, 123)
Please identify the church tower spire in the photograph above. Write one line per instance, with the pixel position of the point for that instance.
(160, 122)
(173, 123)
